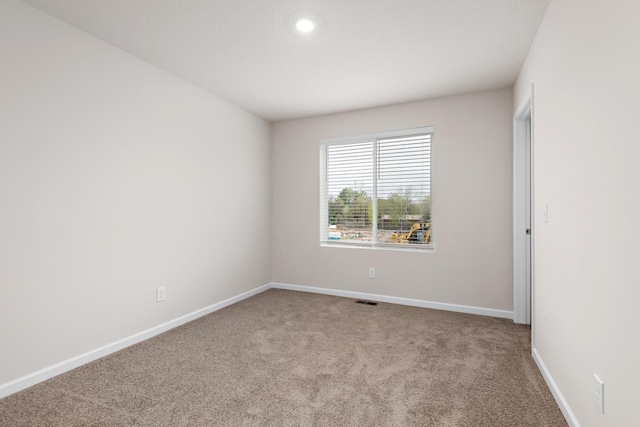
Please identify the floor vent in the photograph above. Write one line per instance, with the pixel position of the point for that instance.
(366, 302)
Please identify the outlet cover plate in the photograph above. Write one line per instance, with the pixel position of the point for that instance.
(161, 294)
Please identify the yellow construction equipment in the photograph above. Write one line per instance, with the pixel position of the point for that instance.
(419, 233)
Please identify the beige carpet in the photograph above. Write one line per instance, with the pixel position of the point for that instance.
(284, 358)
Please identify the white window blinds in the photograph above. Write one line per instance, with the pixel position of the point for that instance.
(376, 190)
(350, 190)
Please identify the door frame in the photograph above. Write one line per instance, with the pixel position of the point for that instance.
(523, 184)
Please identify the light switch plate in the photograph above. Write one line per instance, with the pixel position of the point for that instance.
(598, 388)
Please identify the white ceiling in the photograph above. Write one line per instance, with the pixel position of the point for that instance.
(363, 53)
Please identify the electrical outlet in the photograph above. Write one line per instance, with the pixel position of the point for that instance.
(161, 294)
(372, 273)
(598, 388)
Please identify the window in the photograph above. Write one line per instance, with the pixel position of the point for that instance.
(375, 190)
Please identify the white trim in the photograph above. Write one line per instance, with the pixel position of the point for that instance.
(44, 374)
(397, 300)
(398, 247)
(49, 372)
(555, 391)
(522, 291)
(376, 135)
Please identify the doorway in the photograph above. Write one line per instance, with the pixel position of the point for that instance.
(523, 230)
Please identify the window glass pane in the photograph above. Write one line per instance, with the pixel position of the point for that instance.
(350, 191)
(404, 189)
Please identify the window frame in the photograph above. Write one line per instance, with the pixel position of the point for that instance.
(373, 137)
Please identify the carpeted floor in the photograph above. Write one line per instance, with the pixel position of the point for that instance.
(285, 358)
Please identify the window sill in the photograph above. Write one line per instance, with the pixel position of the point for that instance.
(378, 247)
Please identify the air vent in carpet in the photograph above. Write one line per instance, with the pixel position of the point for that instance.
(366, 302)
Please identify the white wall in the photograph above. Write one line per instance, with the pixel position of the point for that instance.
(585, 65)
(472, 263)
(115, 178)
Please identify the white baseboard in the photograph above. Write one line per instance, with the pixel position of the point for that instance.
(397, 300)
(555, 391)
(34, 378)
(66, 365)
(44, 374)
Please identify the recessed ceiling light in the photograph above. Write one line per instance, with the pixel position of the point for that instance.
(304, 25)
